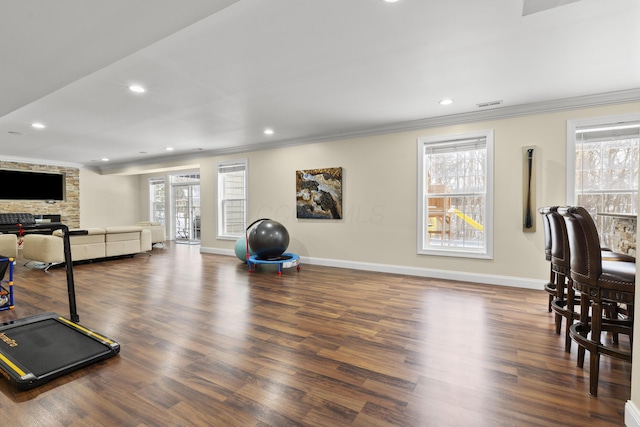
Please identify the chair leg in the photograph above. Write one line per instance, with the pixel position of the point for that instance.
(584, 319)
(561, 281)
(552, 280)
(594, 360)
(594, 372)
(570, 307)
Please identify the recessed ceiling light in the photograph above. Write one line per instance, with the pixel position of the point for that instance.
(37, 125)
(446, 101)
(169, 149)
(268, 131)
(137, 89)
(104, 159)
(391, 1)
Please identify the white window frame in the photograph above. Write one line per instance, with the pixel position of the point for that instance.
(152, 201)
(220, 226)
(574, 124)
(486, 252)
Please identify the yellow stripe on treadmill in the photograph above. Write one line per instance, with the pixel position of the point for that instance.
(85, 330)
(12, 365)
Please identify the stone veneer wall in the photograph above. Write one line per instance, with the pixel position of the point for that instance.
(69, 209)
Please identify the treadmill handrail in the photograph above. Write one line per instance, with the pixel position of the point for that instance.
(52, 226)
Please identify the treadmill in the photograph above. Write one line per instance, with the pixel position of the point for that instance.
(37, 349)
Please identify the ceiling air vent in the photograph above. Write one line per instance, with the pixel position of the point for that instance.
(489, 104)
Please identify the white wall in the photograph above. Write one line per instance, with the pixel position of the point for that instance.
(379, 198)
(379, 189)
(108, 200)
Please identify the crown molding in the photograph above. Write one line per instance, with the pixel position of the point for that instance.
(40, 162)
(491, 113)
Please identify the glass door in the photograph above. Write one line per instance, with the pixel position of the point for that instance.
(186, 208)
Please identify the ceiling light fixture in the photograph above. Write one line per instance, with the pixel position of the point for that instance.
(104, 159)
(137, 89)
(446, 101)
(37, 125)
(391, 1)
(169, 149)
(268, 131)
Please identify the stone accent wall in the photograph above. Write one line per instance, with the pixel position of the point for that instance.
(69, 209)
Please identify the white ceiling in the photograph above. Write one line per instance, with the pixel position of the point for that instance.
(218, 72)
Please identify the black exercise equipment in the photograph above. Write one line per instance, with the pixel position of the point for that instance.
(37, 349)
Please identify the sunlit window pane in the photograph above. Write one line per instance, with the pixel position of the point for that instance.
(455, 195)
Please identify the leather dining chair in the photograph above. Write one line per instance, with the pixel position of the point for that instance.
(563, 305)
(550, 286)
(604, 287)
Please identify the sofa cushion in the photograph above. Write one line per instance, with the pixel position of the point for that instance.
(9, 245)
(93, 236)
(123, 240)
(158, 234)
(127, 232)
(145, 240)
(43, 248)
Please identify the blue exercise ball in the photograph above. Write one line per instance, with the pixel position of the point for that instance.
(268, 239)
(240, 248)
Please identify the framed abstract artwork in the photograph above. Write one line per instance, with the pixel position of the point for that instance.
(319, 193)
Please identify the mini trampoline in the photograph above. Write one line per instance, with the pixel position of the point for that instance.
(286, 260)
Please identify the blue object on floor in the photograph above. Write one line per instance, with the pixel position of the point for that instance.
(286, 260)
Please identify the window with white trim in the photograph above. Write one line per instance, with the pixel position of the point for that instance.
(603, 164)
(455, 200)
(157, 199)
(602, 169)
(232, 199)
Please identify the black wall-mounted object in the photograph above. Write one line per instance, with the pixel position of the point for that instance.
(529, 189)
(31, 185)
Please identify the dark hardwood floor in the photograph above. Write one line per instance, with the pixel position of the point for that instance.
(205, 343)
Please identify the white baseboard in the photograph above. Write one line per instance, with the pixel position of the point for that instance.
(217, 251)
(631, 415)
(462, 276)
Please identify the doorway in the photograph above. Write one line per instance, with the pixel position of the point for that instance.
(186, 208)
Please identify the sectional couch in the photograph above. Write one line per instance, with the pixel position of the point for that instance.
(87, 244)
(9, 245)
(158, 234)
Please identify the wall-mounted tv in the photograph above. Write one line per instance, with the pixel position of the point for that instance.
(30, 185)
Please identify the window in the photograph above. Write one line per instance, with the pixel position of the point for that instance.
(602, 169)
(232, 199)
(455, 216)
(603, 163)
(157, 202)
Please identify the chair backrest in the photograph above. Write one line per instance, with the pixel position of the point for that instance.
(584, 244)
(544, 212)
(560, 249)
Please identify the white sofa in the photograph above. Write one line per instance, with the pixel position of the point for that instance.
(158, 234)
(88, 244)
(9, 245)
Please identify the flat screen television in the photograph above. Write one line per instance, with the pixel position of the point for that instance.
(31, 185)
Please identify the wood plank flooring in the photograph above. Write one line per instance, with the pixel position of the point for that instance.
(205, 343)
